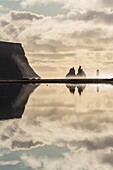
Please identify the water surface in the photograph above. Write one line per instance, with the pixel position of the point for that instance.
(63, 127)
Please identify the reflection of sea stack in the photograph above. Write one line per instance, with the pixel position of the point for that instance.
(71, 73)
(13, 62)
(72, 87)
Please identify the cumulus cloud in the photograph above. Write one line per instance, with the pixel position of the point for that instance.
(76, 30)
(91, 15)
(73, 33)
(16, 15)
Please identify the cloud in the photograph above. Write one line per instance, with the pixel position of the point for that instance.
(91, 15)
(16, 15)
(3, 22)
(108, 159)
(95, 144)
(69, 160)
(77, 30)
(73, 33)
(12, 162)
(107, 3)
(24, 144)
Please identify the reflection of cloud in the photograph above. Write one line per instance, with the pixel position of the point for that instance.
(70, 161)
(108, 159)
(6, 163)
(25, 144)
(96, 144)
(83, 127)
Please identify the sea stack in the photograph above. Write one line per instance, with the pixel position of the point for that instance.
(71, 73)
(13, 62)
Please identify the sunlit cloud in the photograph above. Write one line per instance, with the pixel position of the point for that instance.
(77, 30)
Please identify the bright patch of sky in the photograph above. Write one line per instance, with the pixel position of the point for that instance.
(10, 4)
(50, 9)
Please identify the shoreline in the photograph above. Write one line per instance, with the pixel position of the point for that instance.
(61, 81)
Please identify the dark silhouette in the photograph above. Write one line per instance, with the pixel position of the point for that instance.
(13, 62)
(81, 72)
(98, 89)
(72, 87)
(71, 73)
(13, 98)
(81, 88)
(97, 73)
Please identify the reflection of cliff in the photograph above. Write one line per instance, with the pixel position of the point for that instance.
(13, 98)
(72, 87)
(13, 63)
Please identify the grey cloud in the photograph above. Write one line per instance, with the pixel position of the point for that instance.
(87, 125)
(4, 137)
(96, 144)
(87, 34)
(91, 15)
(23, 15)
(107, 3)
(11, 29)
(68, 37)
(107, 158)
(25, 144)
(3, 23)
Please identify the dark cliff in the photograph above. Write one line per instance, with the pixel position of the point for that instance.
(13, 62)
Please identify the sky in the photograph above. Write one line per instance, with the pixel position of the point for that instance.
(61, 28)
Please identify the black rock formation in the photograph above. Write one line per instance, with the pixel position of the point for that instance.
(13, 62)
(81, 72)
(71, 73)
